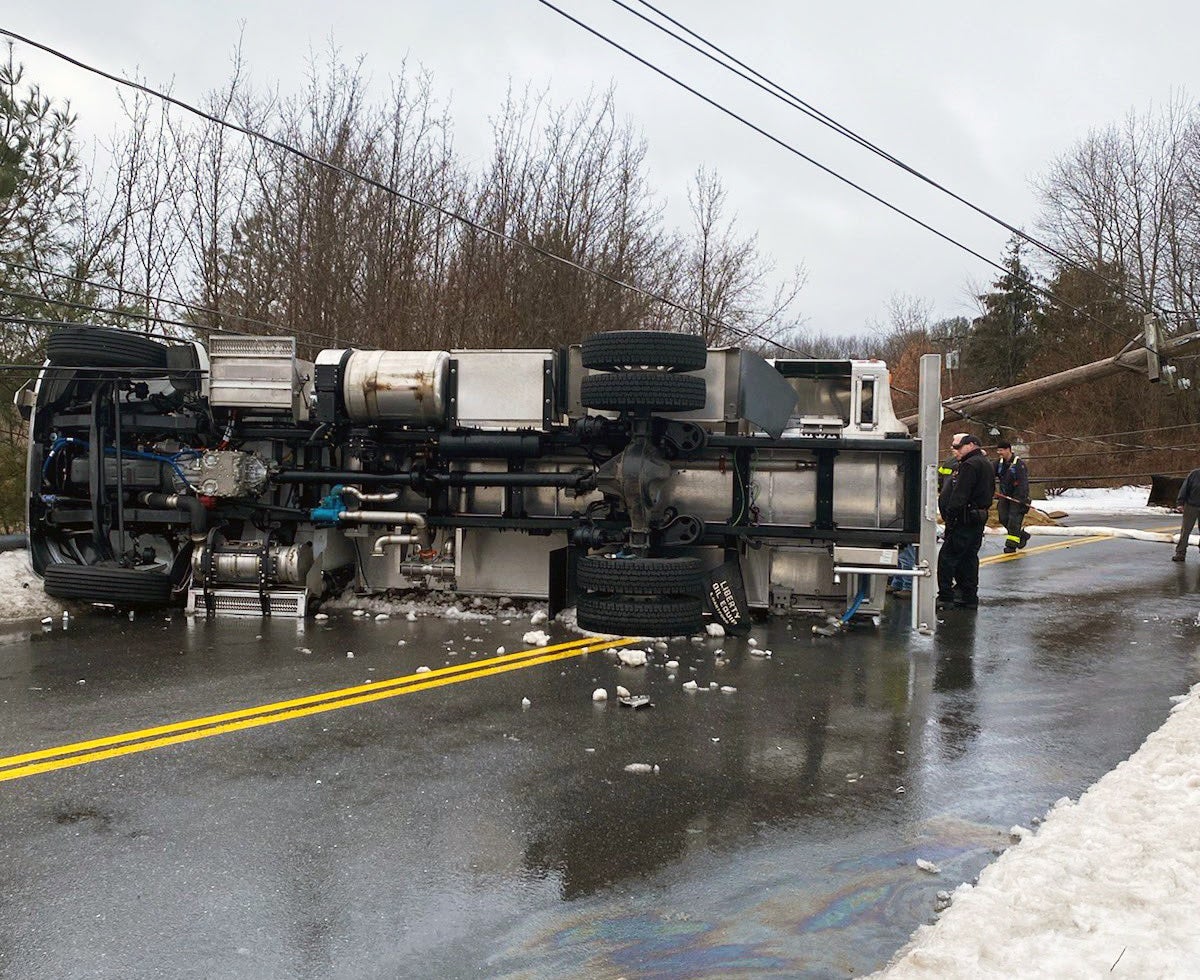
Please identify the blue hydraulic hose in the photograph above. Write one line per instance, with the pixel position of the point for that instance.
(170, 461)
(858, 601)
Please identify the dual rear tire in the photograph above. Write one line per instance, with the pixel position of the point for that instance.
(640, 596)
(643, 371)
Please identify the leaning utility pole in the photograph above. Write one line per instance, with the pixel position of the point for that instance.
(1144, 357)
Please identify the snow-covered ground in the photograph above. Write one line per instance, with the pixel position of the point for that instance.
(21, 594)
(1108, 884)
(1101, 500)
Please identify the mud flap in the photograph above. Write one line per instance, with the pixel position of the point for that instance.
(725, 596)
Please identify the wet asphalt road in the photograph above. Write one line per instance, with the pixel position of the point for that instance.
(447, 832)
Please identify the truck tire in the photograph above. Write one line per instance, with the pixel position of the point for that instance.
(104, 347)
(645, 391)
(641, 576)
(645, 616)
(617, 349)
(108, 583)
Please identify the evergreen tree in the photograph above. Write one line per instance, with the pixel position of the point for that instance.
(1001, 341)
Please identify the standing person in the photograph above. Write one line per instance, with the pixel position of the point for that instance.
(1189, 500)
(898, 585)
(964, 502)
(1012, 496)
(946, 470)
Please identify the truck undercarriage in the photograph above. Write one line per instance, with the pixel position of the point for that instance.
(646, 480)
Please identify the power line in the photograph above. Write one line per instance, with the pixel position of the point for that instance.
(794, 101)
(1128, 432)
(148, 297)
(1103, 476)
(833, 173)
(388, 189)
(131, 314)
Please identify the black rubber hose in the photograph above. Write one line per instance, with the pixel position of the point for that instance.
(177, 501)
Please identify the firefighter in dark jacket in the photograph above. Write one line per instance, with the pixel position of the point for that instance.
(964, 502)
(1012, 496)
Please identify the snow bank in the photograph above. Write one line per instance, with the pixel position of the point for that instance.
(1115, 877)
(21, 595)
(1102, 500)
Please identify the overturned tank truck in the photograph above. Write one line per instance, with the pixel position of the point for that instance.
(640, 477)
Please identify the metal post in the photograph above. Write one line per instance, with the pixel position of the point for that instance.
(929, 427)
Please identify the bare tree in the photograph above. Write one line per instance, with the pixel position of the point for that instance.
(725, 278)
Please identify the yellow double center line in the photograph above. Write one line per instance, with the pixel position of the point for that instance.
(1041, 548)
(175, 733)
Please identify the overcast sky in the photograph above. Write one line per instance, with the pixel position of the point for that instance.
(981, 98)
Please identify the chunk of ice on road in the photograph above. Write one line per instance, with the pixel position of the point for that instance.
(632, 658)
(641, 768)
(929, 866)
(349, 654)
(538, 618)
(422, 669)
(360, 612)
(525, 702)
(381, 617)
(321, 616)
(539, 638)
(752, 642)
(660, 646)
(715, 629)
(622, 692)
(1017, 832)
(690, 685)
(599, 694)
(499, 651)
(728, 690)
(672, 665)
(411, 617)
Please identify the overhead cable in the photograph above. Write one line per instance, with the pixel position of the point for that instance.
(388, 189)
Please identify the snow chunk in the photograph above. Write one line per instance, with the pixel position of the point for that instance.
(422, 670)
(672, 665)
(1017, 832)
(752, 642)
(499, 651)
(525, 702)
(599, 694)
(360, 612)
(728, 690)
(539, 638)
(321, 616)
(641, 768)
(632, 658)
(381, 617)
(715, 629)
(929, 866)
(690, 685)
(411, 616)
(538, 618)
(622, 692)
(349, 654)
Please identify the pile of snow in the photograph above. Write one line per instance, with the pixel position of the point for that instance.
(21, 593)
(1114, 877)
(1102, 500)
